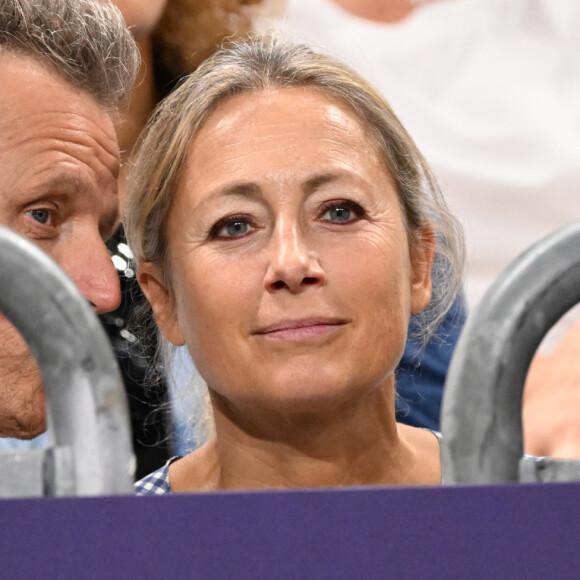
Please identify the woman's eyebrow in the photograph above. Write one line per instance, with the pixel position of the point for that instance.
(251, 189)
(243, 189)
(318, 180)
(247, 189)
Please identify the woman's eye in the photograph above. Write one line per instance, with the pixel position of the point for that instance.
(339, 214)
(42, 216)
(231, 228)
(342, 212)
(234, 229)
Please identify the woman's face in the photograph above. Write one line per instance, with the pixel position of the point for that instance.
(290, 273)
(141, 15)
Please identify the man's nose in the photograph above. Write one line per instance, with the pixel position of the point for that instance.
(293, 265)
(94, 273)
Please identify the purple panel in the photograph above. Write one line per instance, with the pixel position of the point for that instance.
(524, 531)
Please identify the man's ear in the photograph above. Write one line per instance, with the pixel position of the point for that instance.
(162, 301)
(422, 254)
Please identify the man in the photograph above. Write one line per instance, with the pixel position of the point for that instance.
(65, 65)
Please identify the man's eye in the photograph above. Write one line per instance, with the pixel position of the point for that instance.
(42, 216)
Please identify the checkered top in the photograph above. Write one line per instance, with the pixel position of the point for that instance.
(156, 483)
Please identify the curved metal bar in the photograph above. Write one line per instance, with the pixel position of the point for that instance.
(87, 408)
(481, 412)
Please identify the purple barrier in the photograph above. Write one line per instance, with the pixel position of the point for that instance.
(519, 531)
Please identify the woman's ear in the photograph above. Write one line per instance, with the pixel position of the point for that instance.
(162, 302)
(422, 253)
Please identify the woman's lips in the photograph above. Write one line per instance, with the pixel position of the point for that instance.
(300, 329)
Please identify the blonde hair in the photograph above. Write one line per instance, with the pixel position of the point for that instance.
(265, 62)
(86, 42)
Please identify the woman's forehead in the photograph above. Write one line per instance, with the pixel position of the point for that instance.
(276, 114)
(268, 139)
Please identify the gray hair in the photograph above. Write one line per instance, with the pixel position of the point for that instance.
(86, 42)
(266, 62)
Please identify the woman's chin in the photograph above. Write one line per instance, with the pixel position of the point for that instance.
(311, 394)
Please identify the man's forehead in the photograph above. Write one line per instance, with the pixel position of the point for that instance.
(20, 75)
(36, 104)
(31, 87)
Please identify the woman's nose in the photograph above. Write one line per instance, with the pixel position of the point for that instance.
(94, 273)
(293, 265)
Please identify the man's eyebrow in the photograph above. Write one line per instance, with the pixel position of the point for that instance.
(59, 183)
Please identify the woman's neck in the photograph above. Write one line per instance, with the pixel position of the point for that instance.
(359, 444)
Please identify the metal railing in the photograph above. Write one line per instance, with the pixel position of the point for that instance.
(481, 412)
(86, 405)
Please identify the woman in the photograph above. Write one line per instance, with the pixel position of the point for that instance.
(286, 228)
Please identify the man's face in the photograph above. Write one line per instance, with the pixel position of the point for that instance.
(58, 187)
